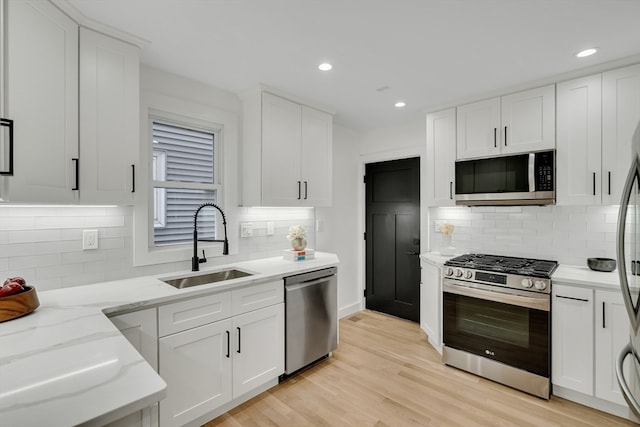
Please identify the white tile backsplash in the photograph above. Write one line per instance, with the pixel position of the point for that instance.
(568, 234)
(44, 243)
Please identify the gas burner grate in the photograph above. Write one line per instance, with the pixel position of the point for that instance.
(514, 265)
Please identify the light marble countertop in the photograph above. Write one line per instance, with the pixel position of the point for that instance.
(567, 274)
(67, 364)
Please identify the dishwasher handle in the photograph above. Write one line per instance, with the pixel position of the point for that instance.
(296, 286)
(310, 276)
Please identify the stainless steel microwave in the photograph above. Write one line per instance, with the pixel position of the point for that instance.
(519, 179)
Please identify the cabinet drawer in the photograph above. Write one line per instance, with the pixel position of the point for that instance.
(257, 296)
(184, 315)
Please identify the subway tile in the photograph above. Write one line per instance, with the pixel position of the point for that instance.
(58, 247)
(61, 271)
(83, 256)
(17, 249)
(34, 236)
(34, 261)
(17, 223)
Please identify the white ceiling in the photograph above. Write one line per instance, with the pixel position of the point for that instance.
(428, 52)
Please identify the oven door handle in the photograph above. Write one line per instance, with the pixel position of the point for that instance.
(535, 302)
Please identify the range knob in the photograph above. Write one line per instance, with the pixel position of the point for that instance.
(448, 271)
(468, 274)
(527, 283)
(540, 285)
(458, 272)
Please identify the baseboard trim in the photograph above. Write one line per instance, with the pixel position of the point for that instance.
(349, 309)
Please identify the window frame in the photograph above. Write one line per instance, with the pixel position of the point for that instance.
(199, 116)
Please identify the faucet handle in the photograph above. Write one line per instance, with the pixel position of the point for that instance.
(203, 259)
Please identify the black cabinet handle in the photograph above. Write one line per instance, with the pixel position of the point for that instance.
(299, 190)
(77, 163)
(8, 123)
(228, 344)
(572, 298)
(594, 183)
(505, 136)
(306, 188)
(133, 178)
(451, 190)
(239, 339)
(603, 316)
(495, 137)
(609, 173)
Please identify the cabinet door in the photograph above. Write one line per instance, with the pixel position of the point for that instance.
(316, 157)
(140, 329)
(579, 141)
(612, 334)
(281, 182)
(572, 338)
(196, 365)
(620, 116)
(41, 96)
(441, 156)
(109, 118)
(430, 304)
(258, 350)
(529, 120)
(479, 133)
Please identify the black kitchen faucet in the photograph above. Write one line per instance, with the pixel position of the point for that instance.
(195, 261)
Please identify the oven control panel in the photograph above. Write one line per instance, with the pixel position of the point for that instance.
(514, 281)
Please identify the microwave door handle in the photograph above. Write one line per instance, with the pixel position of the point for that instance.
(632, 310)
(532, 172)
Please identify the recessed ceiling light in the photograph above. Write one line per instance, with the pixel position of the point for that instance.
(325, 66)
(400, 104)
(586, 52)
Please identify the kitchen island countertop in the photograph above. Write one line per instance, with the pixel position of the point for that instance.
(67, 364)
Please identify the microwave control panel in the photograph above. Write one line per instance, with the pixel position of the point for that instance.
(544, 171)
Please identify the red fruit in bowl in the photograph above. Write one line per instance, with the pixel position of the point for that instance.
(10, 289)
(18, 280)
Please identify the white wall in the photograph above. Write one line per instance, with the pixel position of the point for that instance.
(339, 232)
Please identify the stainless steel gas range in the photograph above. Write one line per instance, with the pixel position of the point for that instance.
(497, 319)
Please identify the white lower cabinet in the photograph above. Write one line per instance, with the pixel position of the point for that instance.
(218, 348)
(589, 329)
(196, 365)
(431, 304)
(140, 329)
(612, 334)
(572, 338)
(258, 354)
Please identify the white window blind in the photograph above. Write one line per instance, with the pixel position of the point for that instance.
(184, 177)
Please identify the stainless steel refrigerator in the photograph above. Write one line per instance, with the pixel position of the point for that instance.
(628, 259)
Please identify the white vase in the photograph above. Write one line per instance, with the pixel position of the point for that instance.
(299, 244)
(447, 248)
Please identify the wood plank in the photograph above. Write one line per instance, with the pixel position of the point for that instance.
(385, 373)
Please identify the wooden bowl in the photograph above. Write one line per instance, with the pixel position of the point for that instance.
(19, 304)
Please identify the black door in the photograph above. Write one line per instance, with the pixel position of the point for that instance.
(393, 238)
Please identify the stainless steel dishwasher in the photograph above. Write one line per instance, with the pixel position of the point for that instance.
(311, 317)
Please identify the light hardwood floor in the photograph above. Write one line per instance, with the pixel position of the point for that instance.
(384, 373)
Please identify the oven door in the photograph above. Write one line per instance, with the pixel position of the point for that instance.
(510, 328)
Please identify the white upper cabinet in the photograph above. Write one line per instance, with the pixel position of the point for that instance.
(620, 116)
(109, 118)
(73, 96)
(287, 153)
(40, 95)
(579, 141)
(516, 123)
(478, 127)
(441, 156)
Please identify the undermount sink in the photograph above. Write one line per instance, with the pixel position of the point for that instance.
(206, 278)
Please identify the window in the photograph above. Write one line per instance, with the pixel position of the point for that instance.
(184, 175)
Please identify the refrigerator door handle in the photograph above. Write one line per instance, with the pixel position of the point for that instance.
(632, 310)
(622, 382)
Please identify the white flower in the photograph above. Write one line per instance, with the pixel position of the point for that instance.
(446, 228)
(296, 232)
